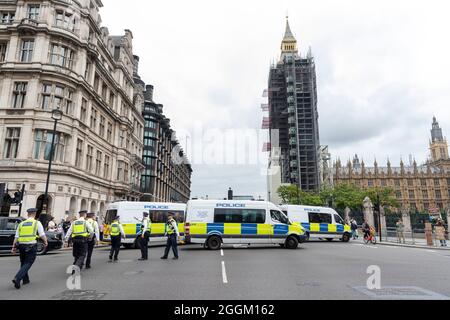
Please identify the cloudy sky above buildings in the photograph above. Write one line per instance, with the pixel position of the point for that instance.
(382, 66)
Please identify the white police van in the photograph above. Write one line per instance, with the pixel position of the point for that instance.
(320, 222)
(131, 214)
(213, 223)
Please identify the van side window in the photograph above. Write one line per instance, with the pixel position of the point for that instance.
(110, 216)
(239, 216)
(338, 219)
(278, 216)
(160, 216)
(320, 218)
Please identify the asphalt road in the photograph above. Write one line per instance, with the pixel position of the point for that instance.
(317, 270)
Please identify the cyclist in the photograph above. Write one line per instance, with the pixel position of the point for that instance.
(367, 230)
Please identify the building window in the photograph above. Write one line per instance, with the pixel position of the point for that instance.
(83, 111)
(410, 183)
(101, 131)
(11, 143)
(43, 145)
(33, 11)
(87, 72)
(106, 168)
(65, 20)
(126, 172)
(109, 132)
(19, 94)
(425, 194)
(397, 183)
(119, 170)
(438, 194)
(98, 163)
(112, 100)
(437, 183)
(26, 53)
(89, 156)
(3, 47)
(62, 56)
(7, 17)
(423, 182)
(79, 154)
(56, 96)
(412, 194)
(93, 123)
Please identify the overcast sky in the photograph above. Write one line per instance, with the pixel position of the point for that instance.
(383, 71)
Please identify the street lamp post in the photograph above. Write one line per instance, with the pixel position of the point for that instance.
(56, 116)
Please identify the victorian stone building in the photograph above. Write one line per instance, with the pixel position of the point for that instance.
(421, 188)
(56, 55)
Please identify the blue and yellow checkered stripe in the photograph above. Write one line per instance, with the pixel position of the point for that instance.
(326, 228)
(243, 229)
(157, 229)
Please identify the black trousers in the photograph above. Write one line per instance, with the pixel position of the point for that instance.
(90, 249)
(80, 247)
(27, 257)
(143, 244)
(116, 242)
(171, 243)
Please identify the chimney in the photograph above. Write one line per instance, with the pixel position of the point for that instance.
(148, 94)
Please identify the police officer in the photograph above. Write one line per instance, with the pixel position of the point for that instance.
(144, 236)
(80, 231)
(117, 233)
(25, 239)
(93, 239)
(172, 237)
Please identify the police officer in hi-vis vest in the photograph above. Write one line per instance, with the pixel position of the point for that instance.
(93, 239)
(172, 237)
(26, 241)
(80, 231)
(117, 233)
(144, 236)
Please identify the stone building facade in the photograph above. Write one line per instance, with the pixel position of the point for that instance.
(56, 55)
(418, 188)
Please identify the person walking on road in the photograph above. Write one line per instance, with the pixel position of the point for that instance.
(440, 233)
(79, 232)
(26, 241)
(93, 239)
(117, 233)
(172, 238)
(354, 227)
(144, 236)
(400, 231)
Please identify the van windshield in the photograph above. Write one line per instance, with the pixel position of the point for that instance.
(278, 216)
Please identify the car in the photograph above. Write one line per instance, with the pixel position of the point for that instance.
(8, 227)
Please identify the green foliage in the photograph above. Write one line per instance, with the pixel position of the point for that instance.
(340, 196)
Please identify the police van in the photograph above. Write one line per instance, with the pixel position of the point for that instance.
(320, 222)
(213, 223)
(131, 214)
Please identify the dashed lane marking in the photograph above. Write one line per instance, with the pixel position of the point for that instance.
(224, 273)
(221, 252)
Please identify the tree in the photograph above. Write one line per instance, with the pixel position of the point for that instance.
(343, 196)
(292, 194)
(387, 196)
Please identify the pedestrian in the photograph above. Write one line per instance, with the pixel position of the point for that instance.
(172, 238)
(366, 229)
(66, 226)
(117, 233)
(400, 231)
(100, 228)
(52, 225)
(79, 232)
(144, 236)
(440, 233)
(26, 241)
(354, 227)
(93, 239)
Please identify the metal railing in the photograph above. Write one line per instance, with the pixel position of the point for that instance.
(413, 237)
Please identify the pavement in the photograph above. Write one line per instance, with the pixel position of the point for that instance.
(317, 270)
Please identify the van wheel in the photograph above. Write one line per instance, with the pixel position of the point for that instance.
(291, 243)
(346, 238)
(41, 250)
(214, 243)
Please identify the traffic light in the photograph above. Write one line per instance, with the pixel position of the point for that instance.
(377, 207)
(18, 197)
(2, 193)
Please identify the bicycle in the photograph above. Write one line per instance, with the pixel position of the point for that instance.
(370, 239)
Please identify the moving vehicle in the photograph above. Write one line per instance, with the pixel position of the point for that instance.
(321, 222)
(213, 223)
(8, 227)
(131, 217)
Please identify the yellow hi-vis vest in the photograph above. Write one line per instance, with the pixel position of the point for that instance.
(28, 231)
(80, 229)
(170, 227)
(115, 229)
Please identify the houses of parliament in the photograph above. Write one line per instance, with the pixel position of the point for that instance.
(418, 188)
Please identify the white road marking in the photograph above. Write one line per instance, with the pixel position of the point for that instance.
(224, 273)
(221, 252)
